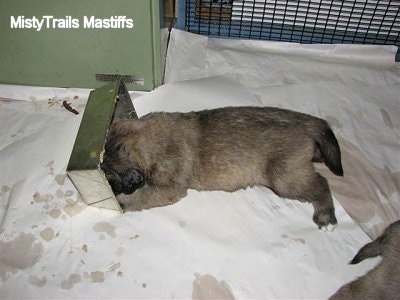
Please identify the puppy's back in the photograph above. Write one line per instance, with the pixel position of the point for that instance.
(244, 145)
(281, 131)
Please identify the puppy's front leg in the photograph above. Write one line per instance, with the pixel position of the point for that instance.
(151, 196)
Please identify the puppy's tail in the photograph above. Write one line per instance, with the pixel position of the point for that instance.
(328, 149)
(377, 246)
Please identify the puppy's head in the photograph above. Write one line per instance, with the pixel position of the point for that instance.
(122, 171)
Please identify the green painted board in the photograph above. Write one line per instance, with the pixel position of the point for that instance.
(74, 47)
(105, 104)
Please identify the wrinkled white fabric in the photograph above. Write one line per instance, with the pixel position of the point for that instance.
(249, 244)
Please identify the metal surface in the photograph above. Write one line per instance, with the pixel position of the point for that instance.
(305, 21)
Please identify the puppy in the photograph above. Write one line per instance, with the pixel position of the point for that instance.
(152, 161)
(382, 282)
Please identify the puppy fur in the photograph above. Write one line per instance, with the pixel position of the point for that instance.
(382, 282)
(152, 161)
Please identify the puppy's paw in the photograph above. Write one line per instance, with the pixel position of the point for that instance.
(326, 221)
(329, 227)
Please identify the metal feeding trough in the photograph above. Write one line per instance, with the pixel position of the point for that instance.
(105, 105)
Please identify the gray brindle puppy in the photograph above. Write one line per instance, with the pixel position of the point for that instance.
(382, 282)
(154, 160)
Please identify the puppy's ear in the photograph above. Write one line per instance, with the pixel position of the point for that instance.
(372, 249)
(123, 127)
(112, 146)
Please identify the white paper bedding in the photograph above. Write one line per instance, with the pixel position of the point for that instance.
(249, 244)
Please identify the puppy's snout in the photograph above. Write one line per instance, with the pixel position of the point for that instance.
(126, 182)
(133, 181)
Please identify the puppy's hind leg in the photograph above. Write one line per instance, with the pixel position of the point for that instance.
(151, 196)
(319, 194)
(306, 185)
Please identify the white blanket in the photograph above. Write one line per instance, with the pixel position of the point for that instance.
(249, 244)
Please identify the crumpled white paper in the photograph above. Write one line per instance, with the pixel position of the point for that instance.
(242, 245)
(263, 63)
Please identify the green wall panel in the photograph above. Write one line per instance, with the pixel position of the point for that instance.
(71, 57)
